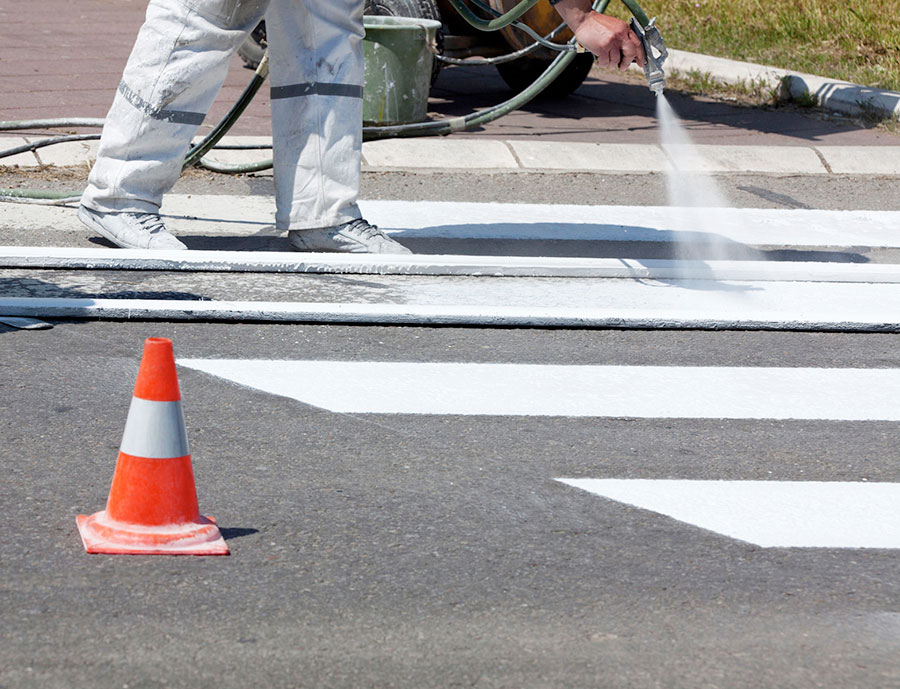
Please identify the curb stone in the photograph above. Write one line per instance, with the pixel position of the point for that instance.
(522, 157)
(832, 94)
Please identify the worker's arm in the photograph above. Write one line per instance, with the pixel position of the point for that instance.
(610, 39)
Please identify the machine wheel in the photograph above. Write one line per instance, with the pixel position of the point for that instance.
(253, 49)
(520, 74)
(419, 9)
(425, 9)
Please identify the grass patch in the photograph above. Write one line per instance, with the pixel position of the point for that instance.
(806, 100)
(853, 41)
(763, 94)
(705, 84)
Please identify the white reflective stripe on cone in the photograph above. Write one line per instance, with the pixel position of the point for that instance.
(155, 430)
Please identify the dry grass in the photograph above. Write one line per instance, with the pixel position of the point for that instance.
(854, 41)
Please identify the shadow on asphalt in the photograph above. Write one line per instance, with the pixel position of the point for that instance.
(196, 242)
(35, 288)
(622, 106)
(636, 243)
(230, 533)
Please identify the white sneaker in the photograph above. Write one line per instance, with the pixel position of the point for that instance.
(354, 237)
(130, 230)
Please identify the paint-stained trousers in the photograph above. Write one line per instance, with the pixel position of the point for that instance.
(178, 65)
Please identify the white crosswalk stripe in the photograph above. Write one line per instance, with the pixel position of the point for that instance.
(801, 514)
(221, 214)
(534, 390)
(771, 514)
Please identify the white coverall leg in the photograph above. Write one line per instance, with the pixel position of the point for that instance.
(175, 71)
(316, 68)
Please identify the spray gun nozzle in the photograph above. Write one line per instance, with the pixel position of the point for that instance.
(655, 54)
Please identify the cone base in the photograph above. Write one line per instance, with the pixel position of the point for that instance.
(100, 534)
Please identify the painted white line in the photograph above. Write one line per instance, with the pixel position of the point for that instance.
(725, 228)
(592, 391)
(550, 302)
(435, 264)
(823, 319)
(745, 226)
(771, 514)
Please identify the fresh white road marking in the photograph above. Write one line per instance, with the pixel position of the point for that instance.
(680, 271)
(745, 226)
(596, 391)
(212, 215)
(771, 514)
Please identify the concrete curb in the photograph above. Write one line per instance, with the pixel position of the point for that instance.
(518, 156)
(841, 96)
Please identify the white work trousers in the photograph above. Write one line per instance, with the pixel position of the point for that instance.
(178, 65)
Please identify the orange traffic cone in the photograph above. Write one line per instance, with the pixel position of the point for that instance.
(152, 506)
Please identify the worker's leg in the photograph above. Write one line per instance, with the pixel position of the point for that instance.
(176, 68)
(316, 63)
(316, 72)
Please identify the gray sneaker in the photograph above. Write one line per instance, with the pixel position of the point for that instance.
(130, 230)
(354, 237)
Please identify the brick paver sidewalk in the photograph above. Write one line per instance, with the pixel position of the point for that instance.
(64, 58)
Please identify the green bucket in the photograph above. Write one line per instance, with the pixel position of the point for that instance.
(399, 53)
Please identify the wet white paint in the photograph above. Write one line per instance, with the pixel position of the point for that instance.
(694, 196)
(212, 215)
(771, 514)
(436, 264)
(578, 391)
(747, 226)
(552, 302)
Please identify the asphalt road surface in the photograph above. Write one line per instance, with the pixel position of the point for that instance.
(372, 547)
(460, 507)
(408, 550)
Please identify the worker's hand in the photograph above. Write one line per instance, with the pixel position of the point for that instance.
(610, 39)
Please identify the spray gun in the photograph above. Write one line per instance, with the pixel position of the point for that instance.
(651, 39)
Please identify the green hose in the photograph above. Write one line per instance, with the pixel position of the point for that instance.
(497, 23)
(517, 25)
(636, 10)
(52, 123)
(196, 153)
(37, 195)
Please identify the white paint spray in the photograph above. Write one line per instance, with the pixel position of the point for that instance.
(693, 195)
